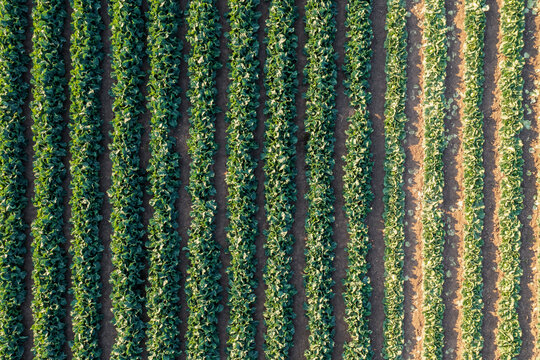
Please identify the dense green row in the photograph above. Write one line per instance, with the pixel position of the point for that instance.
(163, 292)
(357, 179)
(203, 289)
(393, 195)
(125, 193)
(280, 174)
(434, 111)
(240, 178)
(13, 92)
(86, 198)
(511, 166)
(473, 180)
(48, 258)
(321, 76)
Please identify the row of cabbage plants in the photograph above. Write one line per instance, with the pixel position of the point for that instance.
(13, 92)
(48, 256)
(321, 76)
(125, 193)
(202, 283)
(393, 195)
(86, 198)
(280, 174)
(473, 180)
(241, 183)
(433, 232)
(510, 84)
(163, 292)
(357, 179)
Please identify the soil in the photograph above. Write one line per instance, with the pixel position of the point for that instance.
(413, 183)
(453, 191)
(453, 188)
(490, 234)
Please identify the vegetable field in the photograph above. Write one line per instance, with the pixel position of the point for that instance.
(269, 179)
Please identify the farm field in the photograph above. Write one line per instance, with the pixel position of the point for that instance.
(269, 179)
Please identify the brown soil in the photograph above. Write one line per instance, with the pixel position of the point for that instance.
(453, 188)
(529, 216)
(220, 169)
(377, 85)
(490, 108)
(341, 237)
(300, 338)
(414, 154)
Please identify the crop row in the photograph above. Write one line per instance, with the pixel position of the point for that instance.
(473, 180)
(393, 195)
(511, 166)
(321, 76)
(48, 257)
(357, 179)
(86, 198)
(434, 111)
(280, 174)
(13, 92)
(163, 292)
(203, 288)
(125, 193)
(240, 178)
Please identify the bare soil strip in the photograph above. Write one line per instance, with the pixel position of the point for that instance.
(412, 268)
(340, 225)
(259, 174)
(220, 168)
(453, 182)
(300, 338)
(530, 230)
(29, 211)
(66, 215)
(183, 203)
(107, 332)
(490, 108)
(377, 85)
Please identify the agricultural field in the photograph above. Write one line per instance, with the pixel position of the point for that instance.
(269, 179)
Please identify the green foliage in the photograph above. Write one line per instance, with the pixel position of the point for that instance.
(127, 43)
(393, 195)
(321, 77)
(357, 180)
(163, 292)
(202, 284)
(434, 112)
(473, 180)
(86, 198)
(511, 165)
(13, 92)
(48, 257)
(280, 173)
(240, 178)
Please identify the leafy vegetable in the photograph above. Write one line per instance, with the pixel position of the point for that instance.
(321, 77)
(86, 199)
(434, 112)
(357, 180)
(13, 92)
(163, 292)
(125, 194)
(280, 173)
(203, 289)
(473, 180)
(511, 166)
(240, 178)
(394, 197)
(48, 257)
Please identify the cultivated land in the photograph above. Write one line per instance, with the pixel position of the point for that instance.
(487, 119)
